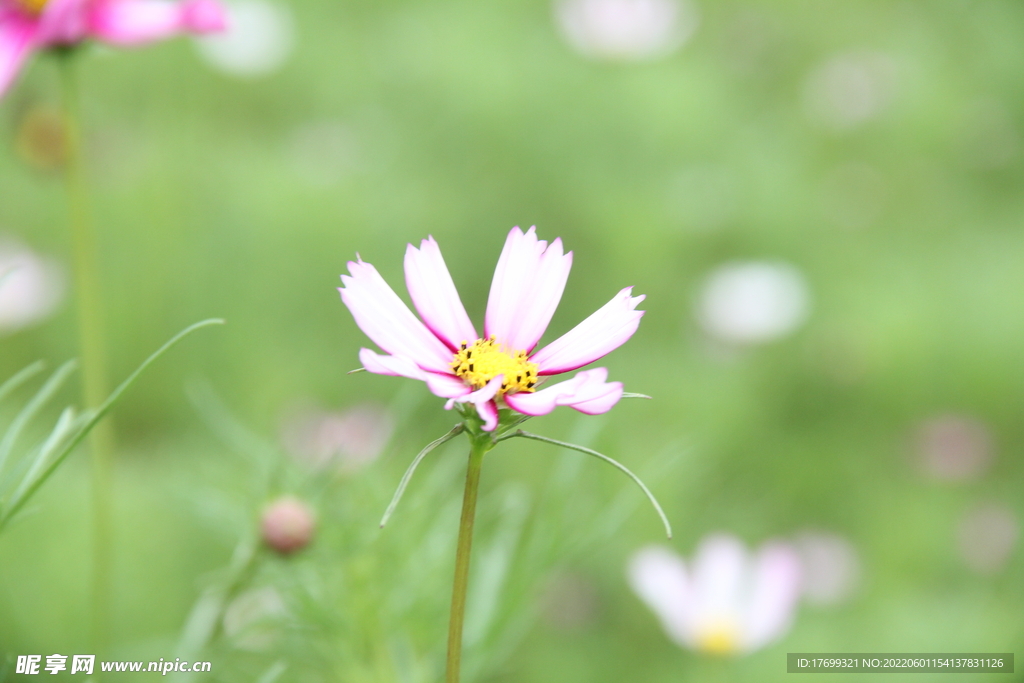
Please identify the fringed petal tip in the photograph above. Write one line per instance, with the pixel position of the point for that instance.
(605, 330)
(587, 392)
(527, 286)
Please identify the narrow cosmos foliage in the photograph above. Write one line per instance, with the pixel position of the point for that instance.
(23, 478)
(498, 380)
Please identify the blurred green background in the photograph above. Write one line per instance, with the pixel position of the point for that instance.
(873, 147)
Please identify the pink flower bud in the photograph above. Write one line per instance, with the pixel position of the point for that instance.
(288, 525)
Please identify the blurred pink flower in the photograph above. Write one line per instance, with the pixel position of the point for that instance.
(954, 447)
(347, 440)
(30, 25)
(725, 602)
(446, 352)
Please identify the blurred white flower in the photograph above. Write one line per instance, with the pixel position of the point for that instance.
(252, 619)
(831, 567)
(346, 440)
(726, 601)
(954, 447)
(849, 89)
(626, 30)
(31, 286)
(987, 536)
(259, 38)
(752, 302)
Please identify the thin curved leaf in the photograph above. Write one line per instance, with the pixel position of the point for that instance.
(32, 407)
(20, 378)
(456, 430)
(95, 417)
(605, 458)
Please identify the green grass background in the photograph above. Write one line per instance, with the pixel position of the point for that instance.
(466, 118)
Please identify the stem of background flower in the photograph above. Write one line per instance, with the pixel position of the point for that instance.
(91, 348)
(481, 443)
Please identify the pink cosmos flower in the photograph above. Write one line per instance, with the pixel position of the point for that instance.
(29, 25)
(500, 368)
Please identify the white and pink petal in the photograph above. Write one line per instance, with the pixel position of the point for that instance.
(446, 386)
(661, 579)
(527, 286)
(483, 400)
(602, 332)
(17, 40)
(136, 22)
(386, 320)
(434, 295)
(777, 576)
(587, 392)
(63, 22)
(396, 366)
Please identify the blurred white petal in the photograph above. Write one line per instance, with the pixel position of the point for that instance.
(775, 589)
(31, 286)
(753, 302)
(659, 577)
(626, 30)
(719, 571)
(259, 38)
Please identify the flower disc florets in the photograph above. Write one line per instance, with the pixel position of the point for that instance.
(32, 6)
(483, 360)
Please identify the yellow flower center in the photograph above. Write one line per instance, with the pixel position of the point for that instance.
(33, 6)
(719, 638)
(480, 362)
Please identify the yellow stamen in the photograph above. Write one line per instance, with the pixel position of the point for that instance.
(719, 638)
(33, 6)
(478, 363)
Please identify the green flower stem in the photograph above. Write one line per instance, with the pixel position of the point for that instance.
(92, 349)
(481, 443)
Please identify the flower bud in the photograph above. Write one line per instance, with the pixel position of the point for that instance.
(287, 525)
